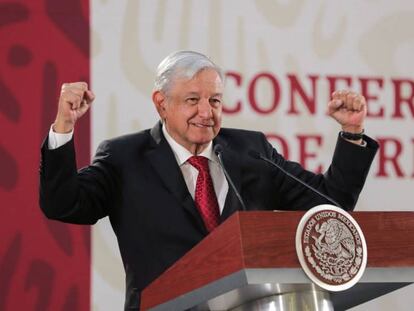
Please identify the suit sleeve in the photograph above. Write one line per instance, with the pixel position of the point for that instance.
(343, 181)
(80, 197)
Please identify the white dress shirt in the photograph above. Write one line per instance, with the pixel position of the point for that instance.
(190, 173)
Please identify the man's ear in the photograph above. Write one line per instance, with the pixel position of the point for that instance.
(159, 101)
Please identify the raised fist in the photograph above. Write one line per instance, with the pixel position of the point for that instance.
(75, 99)
(349, 109)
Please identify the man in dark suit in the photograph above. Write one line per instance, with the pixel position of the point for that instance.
(163, 188)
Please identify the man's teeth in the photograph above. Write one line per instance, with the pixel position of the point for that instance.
(201, 125)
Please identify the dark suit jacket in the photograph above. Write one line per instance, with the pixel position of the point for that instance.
(135, 180)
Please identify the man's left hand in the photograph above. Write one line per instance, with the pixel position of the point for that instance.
(348, 109)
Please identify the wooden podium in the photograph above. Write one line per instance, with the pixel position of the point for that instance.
(252, 256)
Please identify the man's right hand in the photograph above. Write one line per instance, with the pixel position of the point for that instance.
(75, 99)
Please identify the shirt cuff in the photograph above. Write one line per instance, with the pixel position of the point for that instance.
(58, 139)
(362, 144)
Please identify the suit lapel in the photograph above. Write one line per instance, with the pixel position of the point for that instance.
(233, 166)
(163, 161)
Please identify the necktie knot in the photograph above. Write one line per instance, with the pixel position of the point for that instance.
(200, 163)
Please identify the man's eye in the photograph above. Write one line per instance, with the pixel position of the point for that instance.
(192, 100)
(215, 101)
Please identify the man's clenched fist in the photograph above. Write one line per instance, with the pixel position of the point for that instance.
(75, 99)
(349, 109)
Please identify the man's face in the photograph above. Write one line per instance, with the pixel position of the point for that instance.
(192, 109)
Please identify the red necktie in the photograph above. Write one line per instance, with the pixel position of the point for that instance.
(205, 197)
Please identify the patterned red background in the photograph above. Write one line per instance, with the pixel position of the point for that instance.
(44, 265)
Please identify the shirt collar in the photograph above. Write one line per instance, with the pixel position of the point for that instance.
(182, 154)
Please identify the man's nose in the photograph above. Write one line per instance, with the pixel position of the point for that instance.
(204, 108)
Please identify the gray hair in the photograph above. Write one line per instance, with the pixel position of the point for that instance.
(182, 64)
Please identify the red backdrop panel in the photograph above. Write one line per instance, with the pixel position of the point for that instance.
(44, 265)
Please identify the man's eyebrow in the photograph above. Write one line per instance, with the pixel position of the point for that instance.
(217, 95)
(197, 94)
(192, 94)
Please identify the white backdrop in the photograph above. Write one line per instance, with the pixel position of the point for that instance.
(286, 55)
